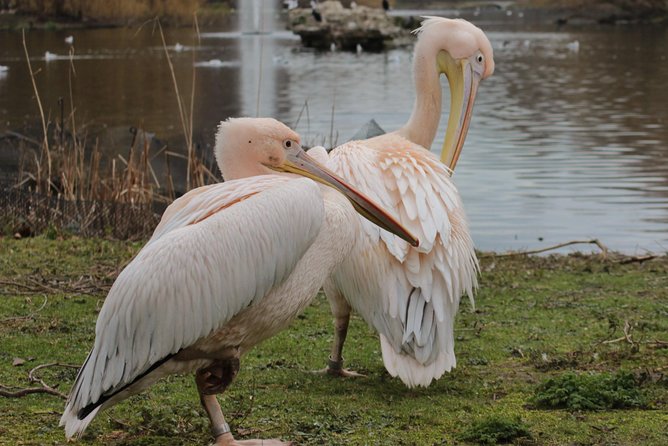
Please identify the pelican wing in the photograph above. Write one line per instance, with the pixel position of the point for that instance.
(201, 202)
(218, 251)
(410, 295)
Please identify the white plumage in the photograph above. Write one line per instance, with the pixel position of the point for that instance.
(229, 266)
(409, 295)
(193, 278)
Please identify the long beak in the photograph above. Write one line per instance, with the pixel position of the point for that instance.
(463, 88)
(300, 163)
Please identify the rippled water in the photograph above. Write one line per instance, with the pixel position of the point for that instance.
(564, 144)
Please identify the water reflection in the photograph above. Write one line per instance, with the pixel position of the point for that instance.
(583, 139)
(565, 144)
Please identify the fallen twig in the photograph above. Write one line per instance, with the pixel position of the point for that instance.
(601, 246)
(39, 284)
(82, 285)
(45, 388)
(16, 284)
(638, 259)
(628, 328)
(4, 391)
(29, 316)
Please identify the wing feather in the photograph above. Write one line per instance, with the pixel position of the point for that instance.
(415, 312)
(196, 273)
(204, 201)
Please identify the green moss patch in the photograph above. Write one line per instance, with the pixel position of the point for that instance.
(584, 391)
(495, 430)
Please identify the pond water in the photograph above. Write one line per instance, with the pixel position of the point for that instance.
(568, 141)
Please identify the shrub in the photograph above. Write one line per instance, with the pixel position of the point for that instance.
(495, 430)
(589, 392)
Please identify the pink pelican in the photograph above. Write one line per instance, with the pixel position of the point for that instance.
(411, 295)
(229, 266)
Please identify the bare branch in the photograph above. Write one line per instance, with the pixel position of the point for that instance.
(637, 259)
(601, 246)
(29, 316)
(28, 391)
(45, 388)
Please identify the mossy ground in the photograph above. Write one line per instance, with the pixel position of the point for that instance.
(537, 318)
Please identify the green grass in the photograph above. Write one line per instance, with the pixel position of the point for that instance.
(539, 320)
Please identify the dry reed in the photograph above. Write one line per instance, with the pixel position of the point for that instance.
(66, 183)
(117, 11)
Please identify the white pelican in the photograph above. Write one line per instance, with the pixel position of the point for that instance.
(411, 296)
(228, 266)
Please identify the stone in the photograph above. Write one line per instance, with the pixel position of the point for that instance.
(345, 28)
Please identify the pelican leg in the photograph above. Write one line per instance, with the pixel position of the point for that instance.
(210, 381)
(215, 379)
(341, 311)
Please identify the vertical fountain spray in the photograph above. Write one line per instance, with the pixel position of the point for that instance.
(257, 23)
(257, 16)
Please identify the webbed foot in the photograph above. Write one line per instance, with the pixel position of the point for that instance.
(335, 368)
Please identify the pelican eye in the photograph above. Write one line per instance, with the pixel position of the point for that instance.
(479, 58)
(289, 144)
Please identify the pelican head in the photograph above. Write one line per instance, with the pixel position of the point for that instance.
(255, 146)
(464, 54)
(252, 146)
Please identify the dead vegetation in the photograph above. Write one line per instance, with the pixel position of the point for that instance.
(65, 183)
(117, 12)
(33, 378)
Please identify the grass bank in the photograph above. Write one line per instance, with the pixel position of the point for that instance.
(561, 350)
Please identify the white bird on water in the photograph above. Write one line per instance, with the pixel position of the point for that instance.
(229, 266)
(69, 40)
(573, 46)
(411, 295)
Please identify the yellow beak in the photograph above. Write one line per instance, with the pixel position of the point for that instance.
(300, 163)
(463, 83)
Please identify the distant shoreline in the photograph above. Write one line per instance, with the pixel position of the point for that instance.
(207, 15)
(561, 12)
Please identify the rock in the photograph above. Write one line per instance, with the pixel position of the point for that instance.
(368, 130)
(345, 28)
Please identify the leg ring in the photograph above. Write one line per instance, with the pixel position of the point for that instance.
(219, 430)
